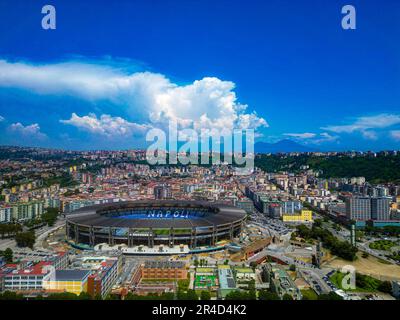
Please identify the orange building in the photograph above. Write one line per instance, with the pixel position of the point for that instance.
(164, 270)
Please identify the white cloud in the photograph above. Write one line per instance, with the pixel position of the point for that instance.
(29, 131)
(364, 125)
(369, 134)
(313, 138)
(105, 125)
(395, 134)
(146, 97)
(325, 137)
(1, 119)
(305, 135)
(361, 124)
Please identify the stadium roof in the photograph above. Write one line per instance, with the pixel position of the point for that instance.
(216, 214)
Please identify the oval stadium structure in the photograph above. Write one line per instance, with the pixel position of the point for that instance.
(155, 222)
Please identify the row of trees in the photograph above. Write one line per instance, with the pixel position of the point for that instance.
(205, 295)
(393, 231)
(268, 295)
(9, 229)
(11, 295)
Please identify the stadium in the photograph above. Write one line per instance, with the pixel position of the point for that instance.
(154, 223)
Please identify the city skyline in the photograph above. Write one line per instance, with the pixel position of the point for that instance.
(287, 70)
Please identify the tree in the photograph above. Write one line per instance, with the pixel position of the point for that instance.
(62, 296)
(253, 265)
(237, 295)
(84, 296)
(205, 295)
(267, 295)
(287, 297)
(10, 295)
(191, 295)
(25, 239)
(318, 222)
(9, 229)
(385, 286)
(99, 297)
(252, 295)
(8, 255)
(50, 216)
(330, 296)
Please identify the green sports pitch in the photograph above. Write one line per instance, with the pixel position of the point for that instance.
(205, 281)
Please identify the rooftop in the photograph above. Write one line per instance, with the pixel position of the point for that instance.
(152, 264)
(72, 275)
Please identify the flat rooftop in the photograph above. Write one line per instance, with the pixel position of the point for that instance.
(72, 275)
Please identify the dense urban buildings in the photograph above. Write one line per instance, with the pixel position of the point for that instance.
(105, 224)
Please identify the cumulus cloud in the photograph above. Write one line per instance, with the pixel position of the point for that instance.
(145, 96)
(305, 135)
(105, 125)
(31, 131)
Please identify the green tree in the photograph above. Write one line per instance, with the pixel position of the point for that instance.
(287, 297)
(8, 255)
(330, 296)
(253, 265)
(25, 239)
(84, 296)
(237, 295)
(10, 295)
(191, 295)
(205, 295)
(62, 296)
(385, 286)
(252, 294)
(267, 295)
(50, 216)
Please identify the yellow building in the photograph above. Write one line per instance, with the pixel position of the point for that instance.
(74, 281)
(303, 216)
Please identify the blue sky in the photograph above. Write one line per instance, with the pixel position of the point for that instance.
(110, 71)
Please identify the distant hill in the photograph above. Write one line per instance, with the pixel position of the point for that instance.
(285, 145)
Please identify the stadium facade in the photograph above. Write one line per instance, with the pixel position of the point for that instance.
(155, 222)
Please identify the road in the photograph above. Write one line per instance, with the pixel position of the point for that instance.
(7, 243)
(44, 231)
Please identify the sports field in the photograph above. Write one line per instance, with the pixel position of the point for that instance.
(204, 281)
